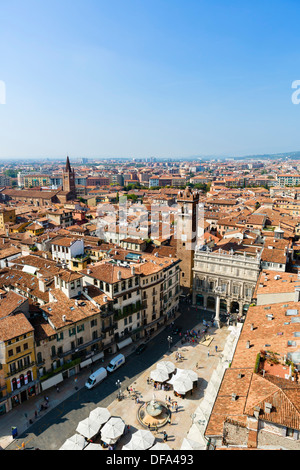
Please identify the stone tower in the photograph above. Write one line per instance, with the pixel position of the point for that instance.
(186, 236)
(69, 179)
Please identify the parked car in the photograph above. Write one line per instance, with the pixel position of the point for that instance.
(140, 348)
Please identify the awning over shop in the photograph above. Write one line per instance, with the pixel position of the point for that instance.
(92, 359)
(52, 381)
(124, 343)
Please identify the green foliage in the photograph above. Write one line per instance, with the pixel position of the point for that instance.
(257, 362)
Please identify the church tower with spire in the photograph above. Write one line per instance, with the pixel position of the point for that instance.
(69, 180)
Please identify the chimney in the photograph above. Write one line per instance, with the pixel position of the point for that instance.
(248, 345)
(268, 408)
(64, 318)
(297, 294)
(133, 270)
(256, 411)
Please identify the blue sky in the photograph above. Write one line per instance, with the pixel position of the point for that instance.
(143, 78)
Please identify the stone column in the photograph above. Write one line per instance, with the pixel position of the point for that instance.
(217, 317)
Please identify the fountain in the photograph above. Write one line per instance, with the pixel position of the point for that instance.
(154, 412)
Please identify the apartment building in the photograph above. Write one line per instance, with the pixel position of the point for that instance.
(229, 275)
(61, 217)
(122, 285)
(7, 216)
(65, 250)
(160, 290)
(288, 179)
(31, 180)
(18, 375)
(69, 332)
(257, 404)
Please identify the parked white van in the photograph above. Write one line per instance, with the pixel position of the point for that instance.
(115, 363)
(96, 378)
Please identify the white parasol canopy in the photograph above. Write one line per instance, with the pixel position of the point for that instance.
(196, 435)
(167, 365)
(76, 442)
(112, 430)
(100, 415)
(189, 444)
(88, 428)
(190, 373)
(160, 446)
(182, 385)
(141, 440)
(159, 375)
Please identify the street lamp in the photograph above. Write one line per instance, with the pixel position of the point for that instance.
(119, 384)
(170, 340)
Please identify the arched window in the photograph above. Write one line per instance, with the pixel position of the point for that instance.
(14, 384)
(29, 376)
(22, 380)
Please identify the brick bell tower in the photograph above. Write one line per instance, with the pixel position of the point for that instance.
(186, 236)
(69, 179)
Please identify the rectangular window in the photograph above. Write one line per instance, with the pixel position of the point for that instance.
(59, 336)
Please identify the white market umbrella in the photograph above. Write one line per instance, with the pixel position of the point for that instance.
(189, 444)
(141, 440)
(160, 446)
(196, 435)
(75, 442)
(189, 373)
(100, 415)
(88, 428)
(167, 365)
(174, 378)
(159, 375)
(112, 430)
(182, 385)
(93, 446)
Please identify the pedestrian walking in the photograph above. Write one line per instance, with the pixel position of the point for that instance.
(216, 348)
(207, 353)
(57, 389)
(165, 436)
